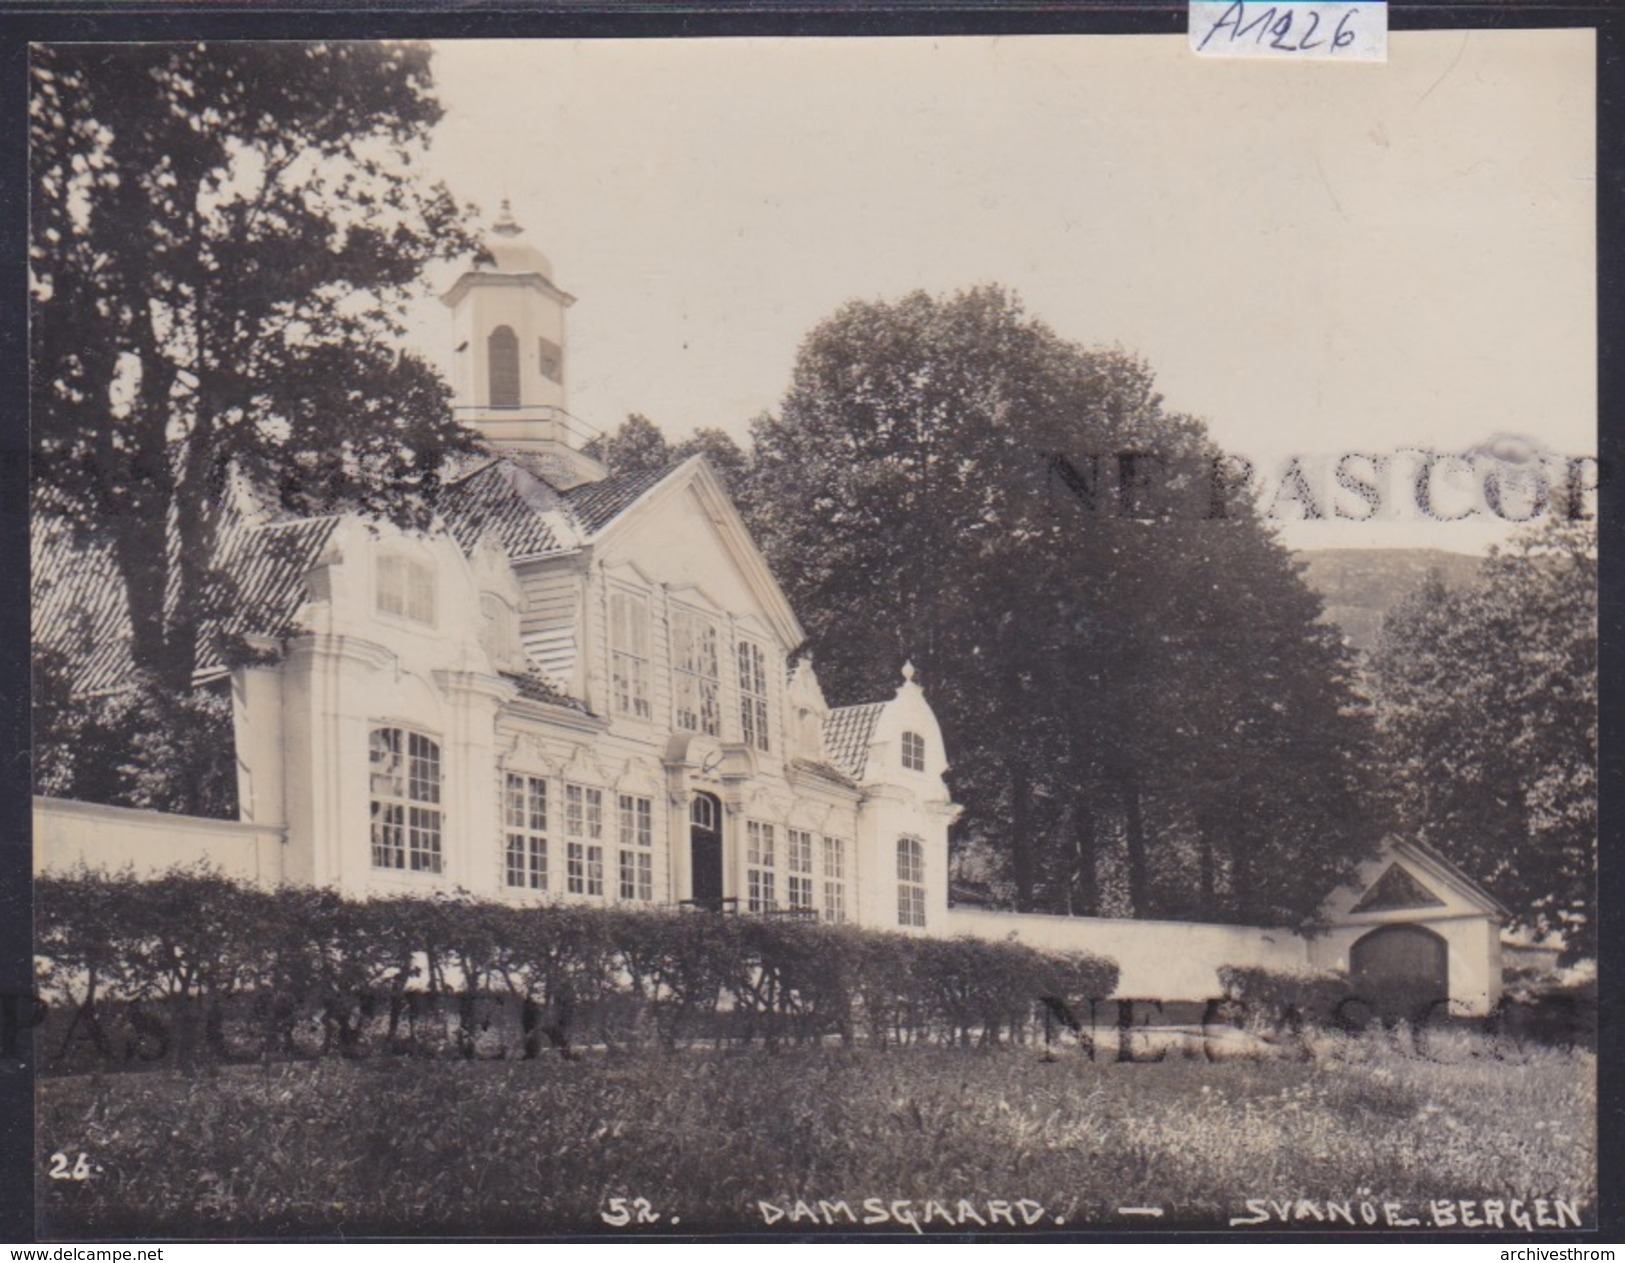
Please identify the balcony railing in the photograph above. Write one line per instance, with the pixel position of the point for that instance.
(731, 907)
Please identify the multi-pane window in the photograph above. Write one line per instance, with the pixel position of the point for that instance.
(753, 695)
(910, 881)
(502, 367)
(524, 818)
(637, 848)
(584, 840)
(759, 867)
(405, 791)
(697, 672)
(799, 863)
(406, 588)
(834, 879)
(501, 629)
(629, 653)
(914, 752)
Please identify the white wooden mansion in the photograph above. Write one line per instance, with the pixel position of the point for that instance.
(590, 688)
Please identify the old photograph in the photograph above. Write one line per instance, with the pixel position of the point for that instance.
(913, 635)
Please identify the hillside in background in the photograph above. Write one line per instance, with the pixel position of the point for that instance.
(1361, 585)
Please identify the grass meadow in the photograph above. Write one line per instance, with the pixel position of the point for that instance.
(403, 1146)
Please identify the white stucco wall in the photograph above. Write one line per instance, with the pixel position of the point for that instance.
(1157, 960)
(68, 835)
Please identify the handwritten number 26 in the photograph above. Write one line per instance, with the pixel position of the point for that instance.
(60, 1170)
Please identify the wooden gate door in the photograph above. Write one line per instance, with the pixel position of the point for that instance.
(1401, 969)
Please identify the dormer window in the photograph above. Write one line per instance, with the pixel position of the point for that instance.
(406, 589)
(502, 367)
(500, 631)
(913, 752)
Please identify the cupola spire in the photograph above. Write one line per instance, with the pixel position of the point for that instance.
(509, 377)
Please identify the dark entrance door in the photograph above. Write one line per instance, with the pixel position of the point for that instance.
(1401, 970)
(705, 851)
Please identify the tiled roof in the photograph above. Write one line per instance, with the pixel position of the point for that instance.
(78, 609)
(505, 500)
(79, 605)
(269, 565)
(847, 733)
(536, 687)
(509, 500)
(597, 504)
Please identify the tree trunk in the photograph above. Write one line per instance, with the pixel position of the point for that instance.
(1139, 877)
(1208, 876)
(1085, 878)
(1021, 839)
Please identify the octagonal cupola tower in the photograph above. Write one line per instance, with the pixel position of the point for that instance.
(508, 328)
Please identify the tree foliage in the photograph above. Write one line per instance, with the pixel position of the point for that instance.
(1487, 698)
(638, 444)
(1144, 715)
(221, 239)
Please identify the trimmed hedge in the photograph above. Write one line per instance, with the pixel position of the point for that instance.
(194, 967)
(1281, 996)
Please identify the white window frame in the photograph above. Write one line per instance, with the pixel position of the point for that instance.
(524, 828)
(752, 666)
(759, 887)
(404, 786)
(696, 672)
(629, 653)
(584, 840)
(636, 857)
(406, 588)
(799, 863)
(910, 881)
(834, 879)
(913, 752)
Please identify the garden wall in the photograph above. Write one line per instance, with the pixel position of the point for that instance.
(1163, 960)
(69, 834)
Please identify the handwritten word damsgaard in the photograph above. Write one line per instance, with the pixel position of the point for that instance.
(875, 1212)
(1513, 1213)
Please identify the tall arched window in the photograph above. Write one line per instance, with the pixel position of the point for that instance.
(502, 364)
(910, 881)
(405, 785)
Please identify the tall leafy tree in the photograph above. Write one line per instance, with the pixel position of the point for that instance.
(726, 456)
(1142, 711)
(1487, 698)
(635, 445)
(222, 239)
(638, 444)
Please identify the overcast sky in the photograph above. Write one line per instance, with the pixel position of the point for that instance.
(1315, 258)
